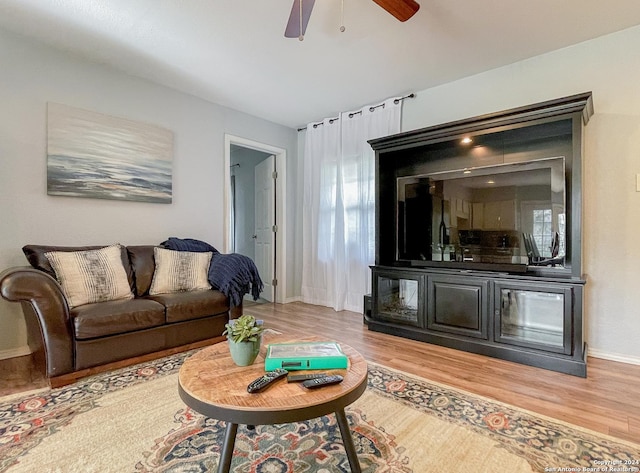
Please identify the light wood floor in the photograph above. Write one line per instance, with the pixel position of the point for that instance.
(607, 401)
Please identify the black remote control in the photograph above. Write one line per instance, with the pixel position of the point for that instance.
(324, 381)
(293, 378)
(261, 383)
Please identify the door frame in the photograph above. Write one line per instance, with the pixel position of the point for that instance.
(280, 211)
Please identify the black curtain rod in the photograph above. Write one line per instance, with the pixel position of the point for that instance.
(352, 114)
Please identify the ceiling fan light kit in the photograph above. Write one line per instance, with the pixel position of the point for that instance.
(301, 12)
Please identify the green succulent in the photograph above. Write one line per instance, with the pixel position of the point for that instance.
(243, 329)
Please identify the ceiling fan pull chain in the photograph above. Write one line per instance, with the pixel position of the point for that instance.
(342, 28)
(301, 37)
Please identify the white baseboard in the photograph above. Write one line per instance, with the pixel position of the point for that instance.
(632, 360)
(14, 352)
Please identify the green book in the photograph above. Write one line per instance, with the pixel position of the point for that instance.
(305, 356)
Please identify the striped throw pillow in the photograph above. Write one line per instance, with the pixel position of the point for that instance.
(91, 275)
(179, 271)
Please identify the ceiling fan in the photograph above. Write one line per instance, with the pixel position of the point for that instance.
(301, 12)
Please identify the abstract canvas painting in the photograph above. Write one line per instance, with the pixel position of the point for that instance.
(98, 156)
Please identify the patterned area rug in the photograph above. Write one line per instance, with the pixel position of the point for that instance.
(132, 420)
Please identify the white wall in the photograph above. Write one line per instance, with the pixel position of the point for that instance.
(32, 75)
(610, 68)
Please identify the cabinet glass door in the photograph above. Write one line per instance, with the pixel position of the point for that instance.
(397, 299)
(537, 319)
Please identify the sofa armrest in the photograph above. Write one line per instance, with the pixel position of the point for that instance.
(236, 311)
(46, 312)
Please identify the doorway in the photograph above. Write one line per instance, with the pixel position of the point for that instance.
(254, 209)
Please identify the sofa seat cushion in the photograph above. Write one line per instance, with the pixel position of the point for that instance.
(114, 317)
(190, 305)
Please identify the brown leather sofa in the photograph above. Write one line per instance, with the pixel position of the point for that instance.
(65, 341)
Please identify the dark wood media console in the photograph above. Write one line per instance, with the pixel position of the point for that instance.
(478, 235)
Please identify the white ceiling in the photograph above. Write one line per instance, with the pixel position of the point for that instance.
(233, 52)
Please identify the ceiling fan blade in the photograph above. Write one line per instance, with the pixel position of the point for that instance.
(401, 9)
(293, 26)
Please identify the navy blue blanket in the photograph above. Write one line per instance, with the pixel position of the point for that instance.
(232, 274)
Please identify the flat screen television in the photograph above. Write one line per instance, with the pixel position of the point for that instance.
(502, 217)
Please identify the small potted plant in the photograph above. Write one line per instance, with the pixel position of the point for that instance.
(245, 338)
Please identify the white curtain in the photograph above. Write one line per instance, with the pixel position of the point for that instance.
(338, 207)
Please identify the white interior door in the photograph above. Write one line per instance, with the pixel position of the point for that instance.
(264, 236)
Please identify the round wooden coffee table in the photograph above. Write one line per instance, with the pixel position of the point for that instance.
(211, 384)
